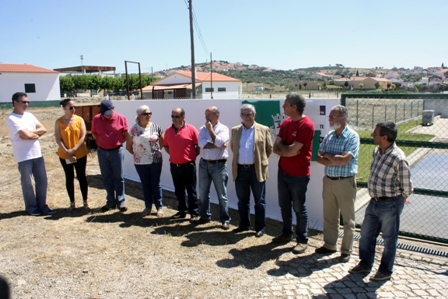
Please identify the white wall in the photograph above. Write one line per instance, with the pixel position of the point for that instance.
(47, 86)
(232, 90)
(229, 115)
(174, 79)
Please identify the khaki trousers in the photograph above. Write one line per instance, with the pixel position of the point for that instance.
(339, 197)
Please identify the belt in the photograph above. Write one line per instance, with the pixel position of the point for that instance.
(246, 165)
(214, 161)
(183, 164)
(383, 198)
(336, 178)
(111, 149)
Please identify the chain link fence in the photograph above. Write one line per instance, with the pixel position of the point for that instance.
(422, 121)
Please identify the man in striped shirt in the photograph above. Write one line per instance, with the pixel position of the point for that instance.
(339, 153)
(389, 187)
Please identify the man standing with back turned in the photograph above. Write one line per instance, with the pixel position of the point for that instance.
(181, 143)
(389, 187)
(294, 144)
(339, 153)
(110, 131)
(24, 132)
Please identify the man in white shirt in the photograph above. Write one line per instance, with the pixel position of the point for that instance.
(213, 140)
(24, 133)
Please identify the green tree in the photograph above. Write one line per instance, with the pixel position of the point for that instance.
(377, 85)
(81, 82)
(361, 85)
(66, 83)
(94, 82)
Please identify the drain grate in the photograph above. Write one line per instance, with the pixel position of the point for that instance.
(409, 247)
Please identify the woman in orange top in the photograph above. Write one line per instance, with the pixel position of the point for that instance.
(70, 132)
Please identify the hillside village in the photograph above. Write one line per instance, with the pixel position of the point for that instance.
(337, 76)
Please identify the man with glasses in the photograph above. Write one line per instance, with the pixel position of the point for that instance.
(251, 144)
(181, 143)
(24, 133)
(110, 131)
(339, 153)
(213, 140)
(389, 188)
(294, 144)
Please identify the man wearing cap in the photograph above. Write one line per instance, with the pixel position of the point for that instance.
(110, 131)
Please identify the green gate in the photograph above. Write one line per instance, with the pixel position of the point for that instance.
(422, 121)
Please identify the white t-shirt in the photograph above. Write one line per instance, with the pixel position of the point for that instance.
(23, 149)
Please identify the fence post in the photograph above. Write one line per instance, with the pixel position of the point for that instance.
(357, 112)
(404, 111)
(412, 104)
(385, 112)
(373, 116)
(396, 108)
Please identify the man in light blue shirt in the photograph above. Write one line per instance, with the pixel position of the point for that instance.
(213, 140)
(339, 153)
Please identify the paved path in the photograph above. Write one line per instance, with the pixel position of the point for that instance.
(316, 276)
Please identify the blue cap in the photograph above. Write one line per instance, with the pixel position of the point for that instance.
(106, 107)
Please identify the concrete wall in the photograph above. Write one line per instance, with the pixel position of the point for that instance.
(47, 86)
(317, 110)
(439, 107)
(232, 90)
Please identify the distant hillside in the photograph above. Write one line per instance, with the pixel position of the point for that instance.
(265, 75)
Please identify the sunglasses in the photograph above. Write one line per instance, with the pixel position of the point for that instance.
(71, 107)
(146, 113)
(25, 102)
(176, 116)
(247, 114)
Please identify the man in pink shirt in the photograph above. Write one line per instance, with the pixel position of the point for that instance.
(110, 131)
(181, 143)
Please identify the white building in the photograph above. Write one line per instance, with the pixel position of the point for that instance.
(38, 83)
(179, 85)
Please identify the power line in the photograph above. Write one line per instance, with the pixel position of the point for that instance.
(198, 30)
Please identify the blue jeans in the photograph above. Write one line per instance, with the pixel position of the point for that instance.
(150, 179)
(245, 181)
(291, 195)
(184, 177)
(111, 166)
(34, 168)
(384, 217)
(219, 175)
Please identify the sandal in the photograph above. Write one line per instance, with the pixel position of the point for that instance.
(86, 206)
(160, 213)
(72, 207)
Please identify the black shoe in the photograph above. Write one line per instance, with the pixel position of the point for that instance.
(108, 207)
(179, 215)
(259, 234)
(323, 250)
(282, 239)
(240, 230)
(344, 258)
(199, 220)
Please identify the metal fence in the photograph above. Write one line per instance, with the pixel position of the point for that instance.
(422, 121)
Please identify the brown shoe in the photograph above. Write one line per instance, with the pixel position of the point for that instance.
(300, 248)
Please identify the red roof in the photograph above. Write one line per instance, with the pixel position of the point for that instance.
(202, 76)
(23, 68)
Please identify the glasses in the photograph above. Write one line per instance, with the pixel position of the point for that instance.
(71, 107)
(176, 116)
(25, 102)
(333, 116)
(147, 114)
(247, 114)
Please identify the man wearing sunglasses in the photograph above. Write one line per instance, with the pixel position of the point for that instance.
(181, 143)
(110, 131)
(24, 133)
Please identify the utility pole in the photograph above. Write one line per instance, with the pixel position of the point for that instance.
(82, 66)
(211, 77)
(193, 70)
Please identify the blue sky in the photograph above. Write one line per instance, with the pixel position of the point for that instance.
(282, 34)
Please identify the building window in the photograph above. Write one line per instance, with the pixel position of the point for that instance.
(208, 89)
(221, 89)
(30, 87)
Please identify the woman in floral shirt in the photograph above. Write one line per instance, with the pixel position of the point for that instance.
(145, 144)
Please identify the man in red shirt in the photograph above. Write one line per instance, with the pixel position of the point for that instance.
(181, 143)
(110, 131)
(294, 145)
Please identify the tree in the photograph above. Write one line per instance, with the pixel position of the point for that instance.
(361, 85)
(393, 86)
(377, 85)
(81, 82)
(66, 83)
(357, 73)
(346, 84)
